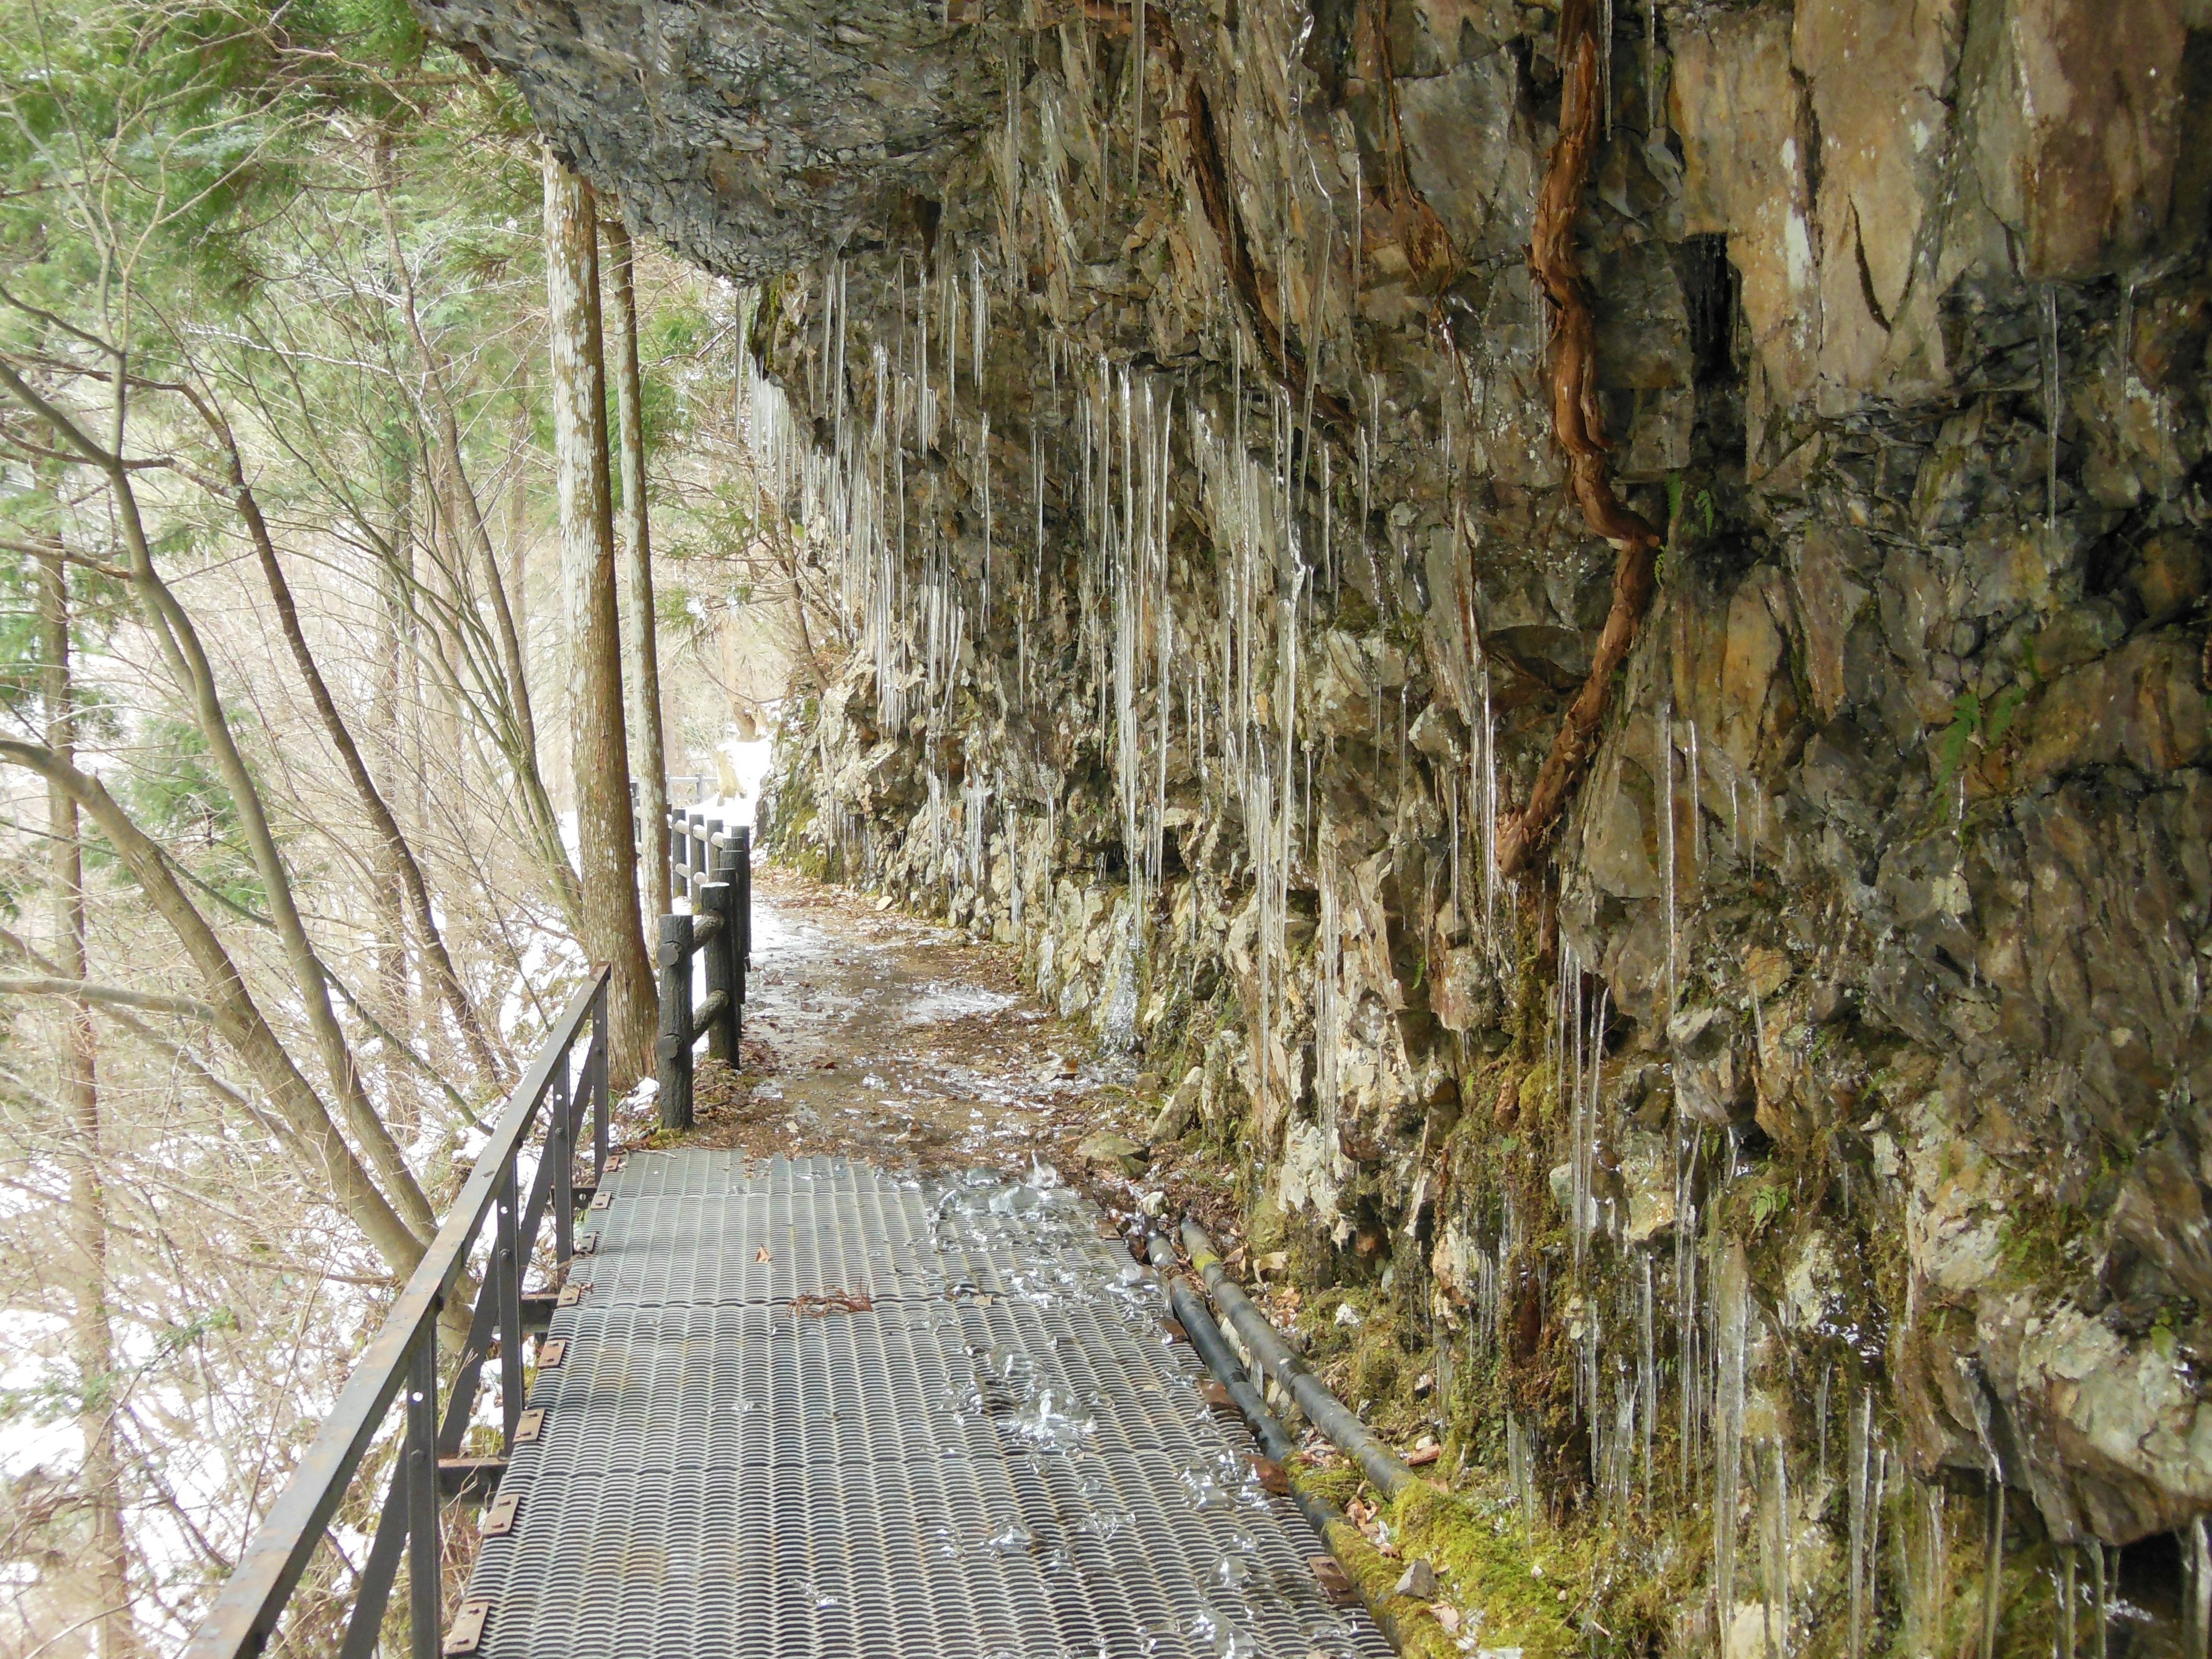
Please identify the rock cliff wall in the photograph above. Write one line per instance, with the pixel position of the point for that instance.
(1788, 1184)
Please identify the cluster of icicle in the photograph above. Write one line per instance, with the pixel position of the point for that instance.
(1189, 683)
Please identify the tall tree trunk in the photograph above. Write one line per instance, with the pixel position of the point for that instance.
(644, 651)
(92, 1341)
(598, 754)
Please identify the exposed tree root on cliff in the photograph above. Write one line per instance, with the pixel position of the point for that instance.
(1274, 335)
(1211, 173)
(1422, 237)
(1580, 427)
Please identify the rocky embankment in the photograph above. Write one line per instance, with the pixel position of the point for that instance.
(1783, 1172)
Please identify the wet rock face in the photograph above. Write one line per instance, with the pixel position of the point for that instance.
(751, 137)
(1207, 589)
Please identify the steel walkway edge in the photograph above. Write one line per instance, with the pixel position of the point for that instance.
(807, 1409)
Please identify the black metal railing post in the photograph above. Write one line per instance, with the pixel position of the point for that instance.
(673, 1051)
(563, 1162)
(600, 1105)
(400, 1368)
(725, 952)
(507, 1263)
(425, 1561)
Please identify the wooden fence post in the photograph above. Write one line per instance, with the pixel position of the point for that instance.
(674, 1049)
(728, 860)
(716, 900)
(744, 866)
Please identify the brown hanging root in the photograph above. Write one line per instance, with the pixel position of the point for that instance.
(1580, 428)
(1211, 173)
(1422, 237)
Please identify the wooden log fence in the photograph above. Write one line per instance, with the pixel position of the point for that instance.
(710, 868)
(566, 1085)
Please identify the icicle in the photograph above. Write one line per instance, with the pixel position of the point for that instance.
(1778, 1554)
(1647, 1358)
(1450, 782)
(1731, 1314)
(979, 319)
(1328, 520)
(1490, 872)
(1758, 825)
(2053, 410)
(1688, 1364)
(1655, 113)
(1605, 65)
(1929, 1602)
(1993, 1568)
(2100, 1600)
(1857, 1478)
(1663, 800)
(953, 343)
(1697, 805)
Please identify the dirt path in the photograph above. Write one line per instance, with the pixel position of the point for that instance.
(872, 1034)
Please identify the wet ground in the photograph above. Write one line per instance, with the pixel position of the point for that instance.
(872, 1033)
(912, 1315)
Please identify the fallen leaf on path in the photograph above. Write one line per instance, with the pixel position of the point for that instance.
(831, 1301)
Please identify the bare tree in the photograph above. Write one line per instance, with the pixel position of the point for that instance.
(465, 522)
(392, 843)
(238, 1017)
(92, 1340)
(599, 755)
(178, 640)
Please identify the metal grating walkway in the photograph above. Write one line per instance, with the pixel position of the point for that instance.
(1002, 1457)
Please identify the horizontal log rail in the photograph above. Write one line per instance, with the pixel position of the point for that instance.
(700, 786)
(710, 866)
(561, 1083)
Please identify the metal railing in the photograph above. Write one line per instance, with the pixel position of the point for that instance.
(405, 1356)
(710, 868)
